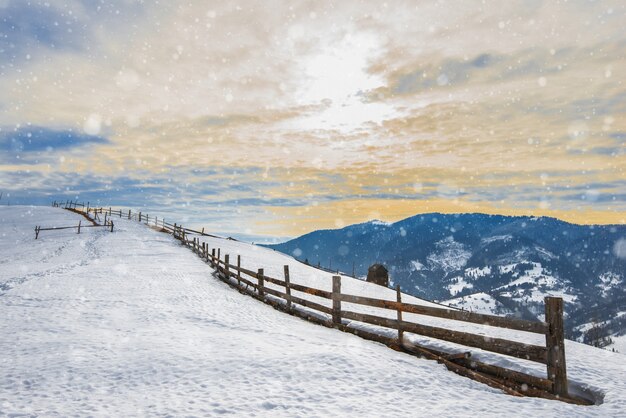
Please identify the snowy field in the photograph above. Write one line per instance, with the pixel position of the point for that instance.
(619, 344)
(130, 323)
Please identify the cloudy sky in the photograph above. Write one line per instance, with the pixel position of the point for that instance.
(278, 118)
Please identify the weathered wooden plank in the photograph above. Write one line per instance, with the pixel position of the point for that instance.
(555, 343)
(507, 374)
(311, 291)
(275, 281)
(399, 314)
(312, 305)
(219, 268)
(540, 393)
(275, 292)
(248, 272)
(248, 283)
(495, 345)
(61, 227)
(238, 269)
(458, 356)
(261, 279)
(287, 287)
(336, 299)
(465, 316)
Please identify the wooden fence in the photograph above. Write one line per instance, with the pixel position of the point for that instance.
(94, 224)
(292, 299)
(78, 227)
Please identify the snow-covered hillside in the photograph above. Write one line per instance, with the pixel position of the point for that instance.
(130, 323)
(518, 261)
(478, 302)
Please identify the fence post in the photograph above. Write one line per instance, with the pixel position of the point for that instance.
(111, 226)
(261, 278)
(399, 299)
(129, 214)
(287, 287)
(219, 250)
(79, 227)
(238, 269)
(37, 232)
(336, 301)
(213, 257)
(139, 216)
(555, 343)
(226, 268)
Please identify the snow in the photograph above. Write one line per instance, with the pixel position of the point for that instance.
(544, 285)
(547, 255)
(535, 275)
(459, 285)
(477, 302)
(505, 238)
(619, 344)
(451, 256)
(417, 266)
(507, 268)
(608, 281)
(476, 272)
(131, 323)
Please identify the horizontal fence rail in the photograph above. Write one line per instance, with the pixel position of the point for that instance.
(263, 287)
(109, 225)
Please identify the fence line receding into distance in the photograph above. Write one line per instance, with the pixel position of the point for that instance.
(291, 298)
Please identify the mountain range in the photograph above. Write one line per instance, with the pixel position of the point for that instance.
(503, 265)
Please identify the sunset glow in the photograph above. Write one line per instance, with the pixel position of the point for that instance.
(278, 118)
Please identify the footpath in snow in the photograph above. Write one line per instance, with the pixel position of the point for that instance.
(131, 323)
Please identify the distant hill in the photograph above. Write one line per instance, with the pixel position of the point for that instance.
(491, 263)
